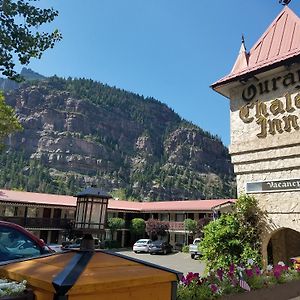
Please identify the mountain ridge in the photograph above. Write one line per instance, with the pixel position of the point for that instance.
(81, 132)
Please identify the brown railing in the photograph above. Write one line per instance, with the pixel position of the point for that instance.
(37, 222)
(176, 225)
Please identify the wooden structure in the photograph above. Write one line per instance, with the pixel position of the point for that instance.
(88, 275)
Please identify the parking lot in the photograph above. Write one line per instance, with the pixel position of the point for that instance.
(177, 261)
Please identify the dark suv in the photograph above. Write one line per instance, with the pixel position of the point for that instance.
(160, 247)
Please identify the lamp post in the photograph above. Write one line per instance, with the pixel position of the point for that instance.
(91, 211)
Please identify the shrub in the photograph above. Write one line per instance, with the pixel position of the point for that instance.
(234, 237)
(138, 226)
(185, 249)
(114, 224)
(111, 244)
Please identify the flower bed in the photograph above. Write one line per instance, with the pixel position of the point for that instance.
(245, 283)
(12, 290)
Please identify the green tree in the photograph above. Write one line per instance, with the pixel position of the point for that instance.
(234, 237)
(137, 226)
(8, 120)
(114, 224)
(19, 35)
(191, 227)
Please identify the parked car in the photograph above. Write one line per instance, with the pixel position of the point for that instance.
(55, 247)
(16, 243)
(141, 245)
(193, 248)
(76, 244)
(160, 247)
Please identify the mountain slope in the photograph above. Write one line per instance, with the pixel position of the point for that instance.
(79, 132)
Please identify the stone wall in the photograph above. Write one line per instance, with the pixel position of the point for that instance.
(265, 143)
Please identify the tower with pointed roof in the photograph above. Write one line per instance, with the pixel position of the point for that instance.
(264, 91)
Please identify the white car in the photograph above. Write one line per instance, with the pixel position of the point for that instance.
(55, 247)
(142, 245)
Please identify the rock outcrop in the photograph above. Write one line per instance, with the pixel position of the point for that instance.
(117, 140)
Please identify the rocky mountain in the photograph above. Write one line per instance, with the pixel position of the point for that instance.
(78, 132)
(27, 74)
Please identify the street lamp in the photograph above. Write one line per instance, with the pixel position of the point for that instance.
(91, 211)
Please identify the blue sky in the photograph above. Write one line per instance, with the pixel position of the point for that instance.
(171, 50)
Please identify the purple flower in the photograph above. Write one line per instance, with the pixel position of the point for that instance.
(278, 270)
(257, 270)
(277, 273)
(249, 272)
(230, 274)
(213, 288)
(190, 277)
(220, 274)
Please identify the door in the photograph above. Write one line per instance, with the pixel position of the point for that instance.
(57, 213)
(47, 213)
(54, 237)
(44, 235)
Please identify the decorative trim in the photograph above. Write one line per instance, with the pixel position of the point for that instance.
(69, 275)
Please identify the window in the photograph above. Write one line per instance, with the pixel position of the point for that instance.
(71, 214)
(190, 216)
(15, 244)
(32, 212)
(179, 238)
(9, 211)
(201, 215)
(164, 217)
(179, 217)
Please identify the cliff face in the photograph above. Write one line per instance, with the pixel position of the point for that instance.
(117, 140)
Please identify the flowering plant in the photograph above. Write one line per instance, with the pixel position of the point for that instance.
(11, 288)
(235, 279)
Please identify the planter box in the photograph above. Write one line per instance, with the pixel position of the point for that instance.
(27, 295)
(285, 291)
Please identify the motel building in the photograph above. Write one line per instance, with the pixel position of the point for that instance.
(47, 215)
(264, 92)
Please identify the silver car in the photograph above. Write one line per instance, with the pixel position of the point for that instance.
(142, 245)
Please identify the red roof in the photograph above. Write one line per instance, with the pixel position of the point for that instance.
(70, 201)
(37, 198)
(124, 205)
(187, 205)
(281, 41)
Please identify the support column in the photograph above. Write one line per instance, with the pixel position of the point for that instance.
(123, 238)
(25, 216)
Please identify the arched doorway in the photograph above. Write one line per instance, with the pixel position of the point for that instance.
(283, 244)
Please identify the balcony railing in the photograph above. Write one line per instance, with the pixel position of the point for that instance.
(176, 226)
(37, 222)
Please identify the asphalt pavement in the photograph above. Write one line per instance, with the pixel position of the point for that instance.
(179, 261)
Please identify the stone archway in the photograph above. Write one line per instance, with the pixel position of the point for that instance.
(283, 244)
